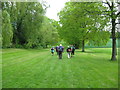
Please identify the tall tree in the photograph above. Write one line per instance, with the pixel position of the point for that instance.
(113, 13)
(80, 21)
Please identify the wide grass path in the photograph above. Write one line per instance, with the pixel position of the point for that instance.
(34, 68)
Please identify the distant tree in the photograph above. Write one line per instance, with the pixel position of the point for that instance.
(49, 33)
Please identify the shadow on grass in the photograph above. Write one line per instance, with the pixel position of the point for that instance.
(88, 52)
(113, 60)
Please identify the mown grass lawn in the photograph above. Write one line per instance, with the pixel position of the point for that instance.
(27, 68)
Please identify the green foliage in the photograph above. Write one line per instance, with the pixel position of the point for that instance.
(26, 19)
(31, 28)
(48, 32)
(31, 25)
(99, 38)
(0, 28)
(7, 30)
(81, 20)
(108, 45)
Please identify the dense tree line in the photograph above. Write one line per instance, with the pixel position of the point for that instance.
(25, 25)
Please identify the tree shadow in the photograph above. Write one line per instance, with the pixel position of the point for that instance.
(88, 52)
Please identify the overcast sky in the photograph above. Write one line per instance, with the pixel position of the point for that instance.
(55, 7)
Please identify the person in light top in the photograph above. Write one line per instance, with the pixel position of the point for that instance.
(68, 52)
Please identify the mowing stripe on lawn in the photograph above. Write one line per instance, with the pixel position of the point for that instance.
(90, 69)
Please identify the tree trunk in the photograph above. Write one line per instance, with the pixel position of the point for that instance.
(113, 41)
(83, 46)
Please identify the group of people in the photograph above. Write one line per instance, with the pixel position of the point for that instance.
(60, 49)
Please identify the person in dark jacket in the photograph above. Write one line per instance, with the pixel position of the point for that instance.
(56, 49)
(72, 50)
(60, 51)
(68, 51)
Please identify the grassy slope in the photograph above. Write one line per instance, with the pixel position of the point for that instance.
(24, 68)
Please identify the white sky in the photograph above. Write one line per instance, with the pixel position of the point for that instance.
(55, 7)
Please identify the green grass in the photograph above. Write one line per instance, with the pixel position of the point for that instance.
(27, 68)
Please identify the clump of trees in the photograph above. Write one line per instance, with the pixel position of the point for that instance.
(87, 22)
(83, 22)
(24, 25)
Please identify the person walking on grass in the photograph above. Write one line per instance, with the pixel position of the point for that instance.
(68, 51)
(52, 51)
(56, 49)
(72, 50)
(60, 51)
